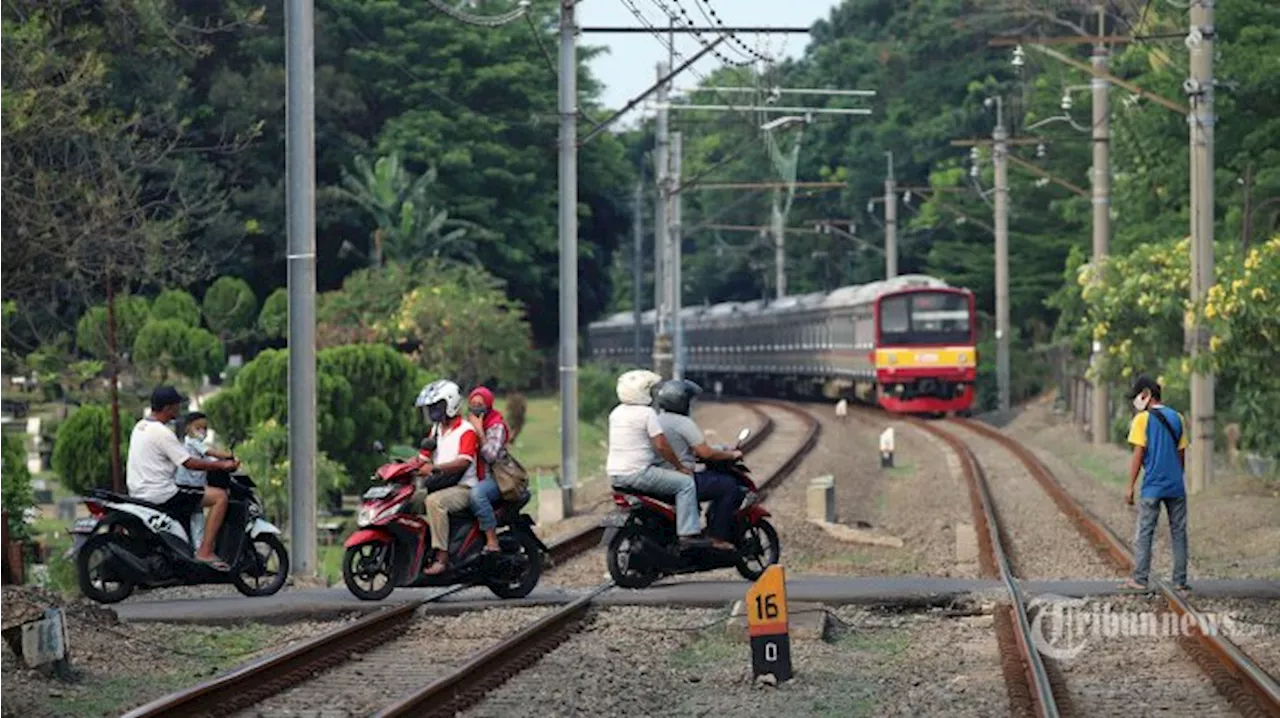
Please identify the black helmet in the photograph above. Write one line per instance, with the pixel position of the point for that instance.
(676, 395)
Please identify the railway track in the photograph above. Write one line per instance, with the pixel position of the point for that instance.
(457, 688)
(1039, 689)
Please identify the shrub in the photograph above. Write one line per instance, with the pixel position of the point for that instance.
(597, 391)
(166, 346)
(82, 450)
(177, 305)
(273, 320)
(230, 308)
(15, 491)
(91, 331)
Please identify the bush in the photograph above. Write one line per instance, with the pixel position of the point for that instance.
(230, 308)
(265, 455)
(82, 450)
(91, 331)
(177, 305)
(15, 491)
(597, 391)
(273, 320)
(166, 346)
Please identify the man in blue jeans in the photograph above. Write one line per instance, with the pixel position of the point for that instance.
(1159, 438)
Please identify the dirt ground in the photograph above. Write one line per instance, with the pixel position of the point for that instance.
(1234, 525)
(117, 666)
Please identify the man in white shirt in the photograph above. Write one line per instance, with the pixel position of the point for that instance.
(154, 457)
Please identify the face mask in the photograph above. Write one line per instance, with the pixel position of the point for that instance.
(1140, 402)
(436, 413)
(479, 411)
(200, 434)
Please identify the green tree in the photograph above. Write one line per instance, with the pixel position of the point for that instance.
(82, 449)
(167, 346)
(273, 320)
(230, 308)
(15, 491)
(366, 306)
(91, 331)
(176, 305)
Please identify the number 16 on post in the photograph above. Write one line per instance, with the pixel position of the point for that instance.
(767, 625)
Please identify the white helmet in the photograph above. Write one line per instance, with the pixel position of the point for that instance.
(635, 387)
(439, 400)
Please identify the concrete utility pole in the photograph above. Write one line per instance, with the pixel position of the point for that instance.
(1199, 89)
(779, 247)
(568, 102)
(676, 253)
(1101, 91)
(637, 266)
(661, 331)
(300, 182)
(1000, 151)
(890, 222)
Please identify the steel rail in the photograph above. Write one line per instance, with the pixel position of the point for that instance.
(259, 679)
(1039, 690)
(1249, 688)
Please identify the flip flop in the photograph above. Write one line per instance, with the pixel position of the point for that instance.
(496, 549)
(1182, 588)
(1132, 587)
(216, 564)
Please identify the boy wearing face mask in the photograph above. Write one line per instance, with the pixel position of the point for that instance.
(1159, 438)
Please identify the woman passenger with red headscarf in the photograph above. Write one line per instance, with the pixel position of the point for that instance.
(494, 434)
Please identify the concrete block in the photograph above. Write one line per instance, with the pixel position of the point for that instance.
(822, 499)
(966, 544)
(805, 621)
(554, 504)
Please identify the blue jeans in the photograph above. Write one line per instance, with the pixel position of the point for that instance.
(1148, 517)
(483, 496)
(667, 482)
(725, 494)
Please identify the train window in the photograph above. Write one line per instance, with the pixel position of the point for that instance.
(925, 318)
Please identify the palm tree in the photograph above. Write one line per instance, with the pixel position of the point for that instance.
(408, 226)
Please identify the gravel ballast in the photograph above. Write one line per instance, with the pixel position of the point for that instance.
(643, 662)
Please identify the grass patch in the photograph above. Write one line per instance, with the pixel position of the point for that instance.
(107, 696)
(329, 562)
(902, 469)
(708, 649)
(884, 644)
(538, 446)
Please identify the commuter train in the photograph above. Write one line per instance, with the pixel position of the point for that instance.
(905, 343)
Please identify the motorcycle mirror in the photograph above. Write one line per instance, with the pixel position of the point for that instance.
(428, 444)
(378, 447)
(742, 435)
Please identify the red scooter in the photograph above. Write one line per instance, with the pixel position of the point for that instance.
(392, 546)
(643, 546)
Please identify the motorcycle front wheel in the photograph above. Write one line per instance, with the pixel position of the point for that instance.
(264, 567)
(99, 579)
(523, 545)
(758, 549)
(366, 569)
(625, 570)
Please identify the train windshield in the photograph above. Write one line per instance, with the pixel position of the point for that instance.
(925, 318)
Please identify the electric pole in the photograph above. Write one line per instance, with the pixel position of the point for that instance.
(1000, 151)
(568, 105)
(661, 335)
(637, 265)
(1199, 89)
(1101, 200)
(890, 222)
(676, 254)
(300, 198)
(779, 247)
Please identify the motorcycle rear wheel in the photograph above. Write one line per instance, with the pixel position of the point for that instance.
(619, 557)
(247, 573)
(91, 565)
(758, 549)
(358, 565)
(522, 543)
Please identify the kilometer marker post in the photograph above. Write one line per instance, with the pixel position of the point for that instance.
(767, 625)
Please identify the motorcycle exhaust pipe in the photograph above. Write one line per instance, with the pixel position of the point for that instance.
(125, 562)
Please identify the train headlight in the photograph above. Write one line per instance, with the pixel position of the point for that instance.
(963, 357)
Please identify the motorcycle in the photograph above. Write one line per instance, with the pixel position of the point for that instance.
(643, 545)
(127, 542)
(392, 546)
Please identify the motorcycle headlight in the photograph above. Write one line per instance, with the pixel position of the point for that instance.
(369, 515)
(255, 511)
(364, 517)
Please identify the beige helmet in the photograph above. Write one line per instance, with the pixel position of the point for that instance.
(636, 386)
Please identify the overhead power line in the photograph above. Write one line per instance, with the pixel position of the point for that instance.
(522, 8)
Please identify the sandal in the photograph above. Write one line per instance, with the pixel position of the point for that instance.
(492, 549)
(1182, 588)
(215, 563)
(1131, 586)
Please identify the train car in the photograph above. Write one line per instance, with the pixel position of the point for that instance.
(906, 343)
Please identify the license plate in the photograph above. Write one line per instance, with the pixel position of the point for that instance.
(614, 520)
(377, 492)
(84, 526)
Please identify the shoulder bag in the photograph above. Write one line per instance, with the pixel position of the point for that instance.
(512, 478)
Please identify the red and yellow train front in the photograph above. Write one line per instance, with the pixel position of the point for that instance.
(925, 357)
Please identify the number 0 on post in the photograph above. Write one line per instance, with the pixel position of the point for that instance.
(767, 625)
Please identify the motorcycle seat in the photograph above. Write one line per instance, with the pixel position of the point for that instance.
(665, 498)
(122, 499)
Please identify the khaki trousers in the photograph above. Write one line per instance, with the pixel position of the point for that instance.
(439, 505)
